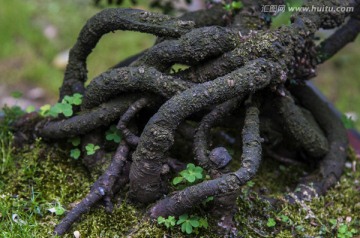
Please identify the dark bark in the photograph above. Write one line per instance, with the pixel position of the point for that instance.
(228, 61)
(331, 166)
(107, 21)
(158, 135)
(307, 134)
(102, 188)
(184, 200)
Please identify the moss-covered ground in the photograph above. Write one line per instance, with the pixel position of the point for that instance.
(41, 176)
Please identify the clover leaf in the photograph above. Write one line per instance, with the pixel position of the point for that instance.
(271, 222)
(75, 99)
(91, 149)
(188, 223)
(63, 108)
(58, 210)
(75, 141)
(190, 174)
(75, 153)
(168, 222)
(113, 134)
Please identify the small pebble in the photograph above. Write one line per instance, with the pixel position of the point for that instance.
(77, 234)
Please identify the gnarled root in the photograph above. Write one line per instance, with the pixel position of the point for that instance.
(184, 200)
(331, 166)
(102, 189)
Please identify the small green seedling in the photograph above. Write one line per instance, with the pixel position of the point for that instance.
(234, 5)
(271, 222)
(44, 110)
(333, 223)
(63, 108)
(188, 223)
(30, 109)
(190, 174)
(348, 122)
(16, 94)
(113, 134)
(283, 18)
(344, 232)
(250, 184)
(75, 141)
(168, 222)
(91, 149)
(58, 210)
(207, 200)
(75, 153)
(75, 99)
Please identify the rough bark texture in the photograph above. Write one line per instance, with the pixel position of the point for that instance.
(228, 61)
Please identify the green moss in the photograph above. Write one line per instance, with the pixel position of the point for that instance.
(41, 176)
(302, 219)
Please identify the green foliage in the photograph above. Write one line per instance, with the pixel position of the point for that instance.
(75, 141)
(57, 210)
(44, 110)
(348, 122)
(75, 153)
(16, 94)
(65, 106)
(191, 174)
(30, 109)
(91, 149)
(189, 224)
(113, 134)
(344, 232)
(75, 99)
(10, 114)
(233, 6)
(6, 150)
(271, 222)
(283, 18)
(168, 222)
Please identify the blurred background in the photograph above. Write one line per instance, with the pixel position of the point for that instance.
(36, 35)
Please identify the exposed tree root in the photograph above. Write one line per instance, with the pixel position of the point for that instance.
(227, 63)
(184, 200)
(102, 189)
(130, 137)
(331, 166)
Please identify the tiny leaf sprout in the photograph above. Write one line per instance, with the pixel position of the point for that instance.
(113, 134)
(191, 174)
(64, 107)
(58, 209)
(271, 222)
(91, 149)
(30, 109)
(75, 153)
(75, 99)
(16, 94)
(233, 6)
(75, 141)
(188, 223)
(283, 18)
(345, 232)
(168, 222)
(44, 110)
